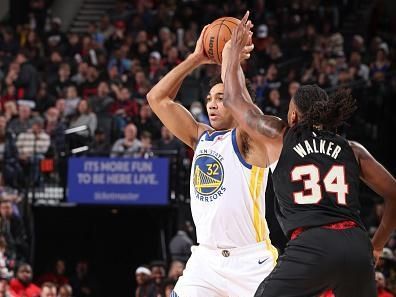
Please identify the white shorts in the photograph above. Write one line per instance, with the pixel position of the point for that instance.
(225, 273)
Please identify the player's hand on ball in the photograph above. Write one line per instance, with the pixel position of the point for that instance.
(199, 52)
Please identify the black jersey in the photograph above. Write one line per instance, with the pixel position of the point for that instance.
(316, 180)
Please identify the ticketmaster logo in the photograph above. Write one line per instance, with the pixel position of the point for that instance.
(116, 196)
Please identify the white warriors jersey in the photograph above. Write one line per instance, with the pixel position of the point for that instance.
(227, 194)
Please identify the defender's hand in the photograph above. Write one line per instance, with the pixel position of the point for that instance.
(242, 36)
(245, 53)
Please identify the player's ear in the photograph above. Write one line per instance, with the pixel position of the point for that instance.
(294, 117)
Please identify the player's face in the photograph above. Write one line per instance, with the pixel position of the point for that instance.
(220, 118)
(292, 115)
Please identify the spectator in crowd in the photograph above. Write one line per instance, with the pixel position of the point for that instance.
(141, 87)
(124, 109)
(65, 291)
(56, 276)
(100, 104)
(168, 142)
(71, 101)
(100, 146)
(4, 288)
(127, 146)
(55, 38)
(176, 270)
(7, 260)
(10, 111)
(90, 85)
(48, 290)
(82, 73)
(84, 117)
(13, 229)
(62, 80)
(386, 265)
(60, 105)
(32, 146)
(180, 245)
(9, 44)
(146, 149)
(146, 122)
(83, 282)
(22, 285)
(381, 285)
(158, 274)
(27, 81)
(145, 286)
(3, 124)
(24, 120)
(198, 113)
(155, 70)
(44, 100)
(273, 107)
(55, 129)
(169, 285)
(381, 65)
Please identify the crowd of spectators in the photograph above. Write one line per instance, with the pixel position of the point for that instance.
(53, 80)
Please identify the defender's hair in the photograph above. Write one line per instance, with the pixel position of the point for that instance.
(317, 108)
(217, 80)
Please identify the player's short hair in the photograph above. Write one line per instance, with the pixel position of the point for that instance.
(217, 80)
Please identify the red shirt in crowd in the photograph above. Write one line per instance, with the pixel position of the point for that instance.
(328, 293)
(383, 293)
(17, 289)
(54, 278)
(131, 107)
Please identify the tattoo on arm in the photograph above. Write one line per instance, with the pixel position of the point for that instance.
(268, 126)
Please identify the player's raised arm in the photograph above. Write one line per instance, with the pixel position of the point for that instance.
(384, 184)
(250, 118)
(173, 115)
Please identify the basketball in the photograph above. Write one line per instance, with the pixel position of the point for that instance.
(216, 36)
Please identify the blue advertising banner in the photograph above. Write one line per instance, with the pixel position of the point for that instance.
(118, 181)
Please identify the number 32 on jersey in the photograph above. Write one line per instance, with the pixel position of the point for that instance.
(334, 182)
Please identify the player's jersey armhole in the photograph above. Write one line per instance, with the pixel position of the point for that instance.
(203, 134)
(237, 152)
(272, 166)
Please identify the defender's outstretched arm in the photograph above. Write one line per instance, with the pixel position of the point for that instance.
(267, 130)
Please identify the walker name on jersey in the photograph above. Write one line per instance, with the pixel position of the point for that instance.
(317, 146)
(208, 175)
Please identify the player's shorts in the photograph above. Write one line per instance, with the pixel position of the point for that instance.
(320, 259)
(234, 272)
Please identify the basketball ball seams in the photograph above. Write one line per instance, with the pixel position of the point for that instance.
(216, 36)
(219, 58)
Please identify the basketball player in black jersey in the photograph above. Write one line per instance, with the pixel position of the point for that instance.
(316, 177)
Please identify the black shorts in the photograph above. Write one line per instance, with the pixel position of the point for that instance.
(320, 259)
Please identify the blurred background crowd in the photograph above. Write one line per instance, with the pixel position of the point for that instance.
(95, 82)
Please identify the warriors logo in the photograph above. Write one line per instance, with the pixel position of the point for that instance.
(208, 175)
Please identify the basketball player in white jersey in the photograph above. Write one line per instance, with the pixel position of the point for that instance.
(227, 193)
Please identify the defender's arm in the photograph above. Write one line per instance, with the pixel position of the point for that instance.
(236, 98)
(384, 184)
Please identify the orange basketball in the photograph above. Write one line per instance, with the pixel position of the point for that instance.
(216, 36)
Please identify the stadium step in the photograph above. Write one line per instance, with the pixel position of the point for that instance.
(93, 17)
(91, 10)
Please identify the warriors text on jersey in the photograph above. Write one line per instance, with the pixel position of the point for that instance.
(316, 180)
(227, 194)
